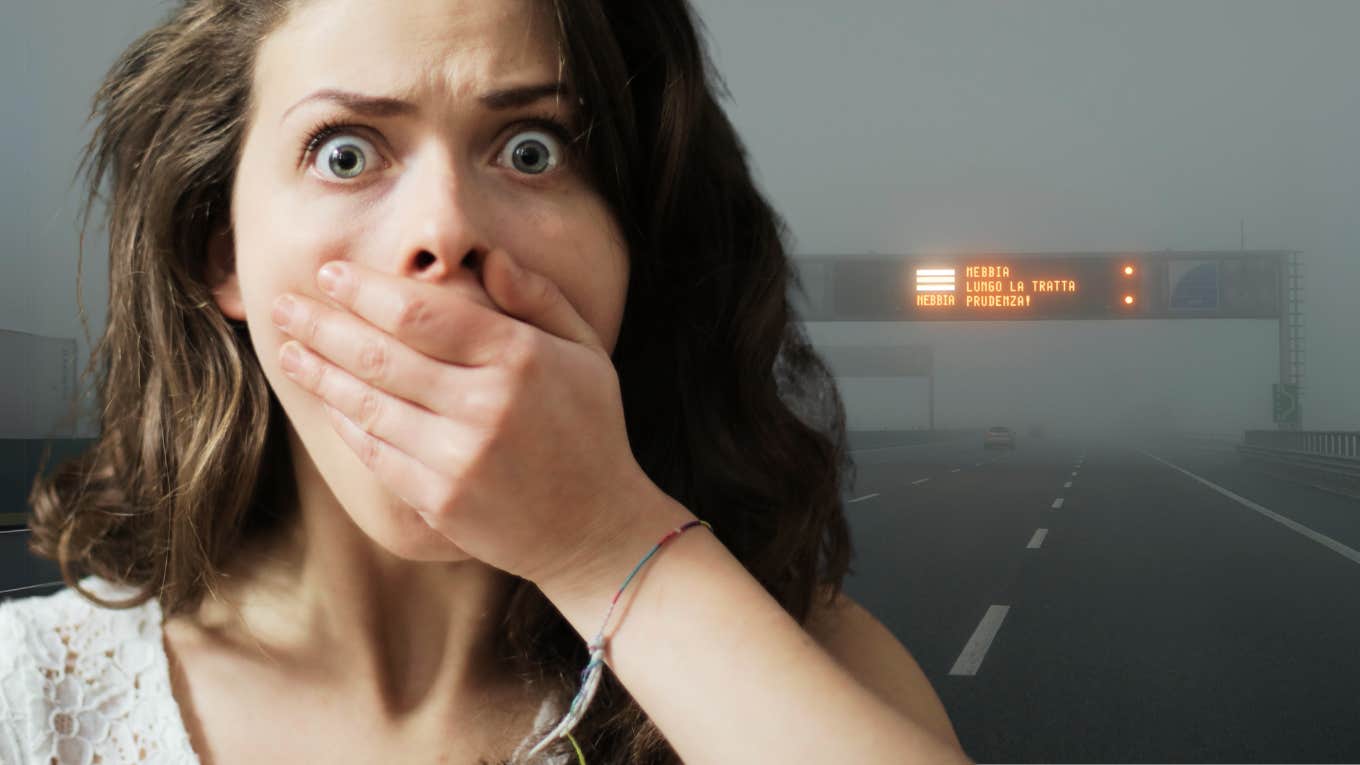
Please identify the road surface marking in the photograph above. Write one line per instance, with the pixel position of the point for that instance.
(918, 483)
(1058, 503)
(955, 470)
(1038, 539)
(1074, 474)
(861, 499)
(976, 649)
(898, 446)
(978, 465)
(1067, 485)
(1325, 541)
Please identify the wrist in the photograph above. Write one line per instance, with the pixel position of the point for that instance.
(583, 592)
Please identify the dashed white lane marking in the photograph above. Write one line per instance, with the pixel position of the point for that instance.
(978, 465)
(918, 483)
(955, 470)
(1037, 540)
(1294, 526)
(1067, 485)
(1058, 503)
(976, 648)
(861, 499)
(1074, 474)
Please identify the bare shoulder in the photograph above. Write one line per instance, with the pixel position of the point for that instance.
(875, 657)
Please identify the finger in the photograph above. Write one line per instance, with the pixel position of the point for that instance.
(405, 476)
(535, 299)
(454, 322)
(432, 438)
(367, 352)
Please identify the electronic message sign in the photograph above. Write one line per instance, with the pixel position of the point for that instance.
(1055, 286)
(997, 288)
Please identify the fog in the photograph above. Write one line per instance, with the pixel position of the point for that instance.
(946, 127)
(1104, 597)
(895, 127)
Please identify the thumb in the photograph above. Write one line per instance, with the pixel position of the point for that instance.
(535, 299)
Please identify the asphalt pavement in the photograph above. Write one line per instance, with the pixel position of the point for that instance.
(1079, 602)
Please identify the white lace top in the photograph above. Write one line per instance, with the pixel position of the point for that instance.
(84, 685)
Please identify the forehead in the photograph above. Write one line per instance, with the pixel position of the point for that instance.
(412, 47)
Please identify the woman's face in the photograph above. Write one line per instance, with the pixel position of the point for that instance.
(385, 133)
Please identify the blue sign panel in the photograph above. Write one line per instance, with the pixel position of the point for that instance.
(1194, 285)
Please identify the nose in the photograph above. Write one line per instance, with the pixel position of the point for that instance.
(439, 228)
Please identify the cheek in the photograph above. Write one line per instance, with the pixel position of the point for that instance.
(279, 250)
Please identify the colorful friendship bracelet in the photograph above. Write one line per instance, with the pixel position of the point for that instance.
(590, 676)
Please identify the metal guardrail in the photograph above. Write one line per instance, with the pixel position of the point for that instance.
(1326, 443)
(1325, 459)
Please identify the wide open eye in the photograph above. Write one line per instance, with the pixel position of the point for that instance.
(532, 152)
(345, 157)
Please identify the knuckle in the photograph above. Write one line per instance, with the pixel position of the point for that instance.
(321, 380)
(369, 452)
(412, 313)
(369, 409)
(474, 404)
(451, 452)
(374, 357)
(310, 329)
(499, 420)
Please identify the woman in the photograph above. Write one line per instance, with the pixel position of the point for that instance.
(385, 279)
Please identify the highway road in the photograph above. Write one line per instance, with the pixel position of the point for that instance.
(1151, 602)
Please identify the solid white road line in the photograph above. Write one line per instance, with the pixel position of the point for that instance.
(897, 446)
(918, 483)
(1037, 540)
(1299, 528)
(861, 499)
(1058, 503)
(976, 649)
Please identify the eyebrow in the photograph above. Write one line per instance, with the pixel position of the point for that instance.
(382, 106)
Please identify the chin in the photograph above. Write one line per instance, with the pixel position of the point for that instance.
(399, 530)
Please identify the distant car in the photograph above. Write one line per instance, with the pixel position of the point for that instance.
(999, 438)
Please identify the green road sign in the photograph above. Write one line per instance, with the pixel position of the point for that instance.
(1287, 404)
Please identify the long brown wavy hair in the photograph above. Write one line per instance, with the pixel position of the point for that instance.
(729, 409)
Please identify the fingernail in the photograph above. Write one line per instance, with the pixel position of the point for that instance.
(291, 360)
(331, 277)
(283, 311)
